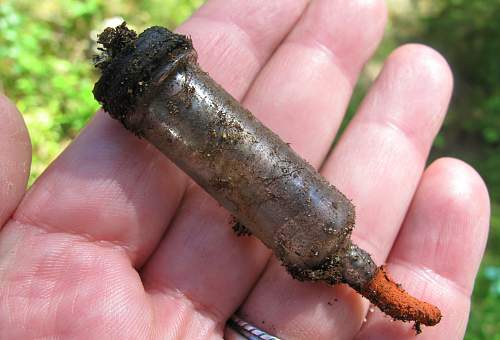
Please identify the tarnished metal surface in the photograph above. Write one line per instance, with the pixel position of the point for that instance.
(280, 198)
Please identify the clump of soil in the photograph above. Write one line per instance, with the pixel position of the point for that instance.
(127, 63)
(114, 41)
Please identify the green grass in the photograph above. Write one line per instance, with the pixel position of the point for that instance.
(45, 60)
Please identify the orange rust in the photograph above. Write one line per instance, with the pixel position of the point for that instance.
(383, 292)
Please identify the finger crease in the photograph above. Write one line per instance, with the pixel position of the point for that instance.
(53, 229)
(318, 46)
(242, 35)
(208, 310)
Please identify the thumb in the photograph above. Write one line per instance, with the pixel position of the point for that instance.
(15, 158)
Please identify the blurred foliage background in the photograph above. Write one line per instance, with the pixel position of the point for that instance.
(45, 51)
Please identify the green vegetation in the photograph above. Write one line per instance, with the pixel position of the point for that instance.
(44, 67)
(44, 60)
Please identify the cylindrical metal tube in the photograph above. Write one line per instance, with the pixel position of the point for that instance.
(246, 167)
(278, 196)
(154, 86)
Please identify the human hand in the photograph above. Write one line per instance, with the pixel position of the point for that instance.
(113, 241)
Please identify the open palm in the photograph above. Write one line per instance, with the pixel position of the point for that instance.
(114, 242)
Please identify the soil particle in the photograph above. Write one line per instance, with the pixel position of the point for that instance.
(239, 229)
